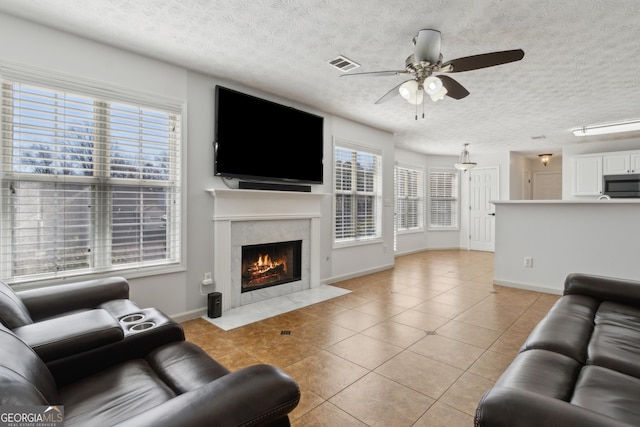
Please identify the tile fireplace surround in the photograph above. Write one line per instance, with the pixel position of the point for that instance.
(247, 217)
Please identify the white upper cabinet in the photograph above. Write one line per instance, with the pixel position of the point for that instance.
(588, 176)
(621, 163)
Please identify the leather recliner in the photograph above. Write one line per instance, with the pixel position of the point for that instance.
(72, 325)
(176, 384)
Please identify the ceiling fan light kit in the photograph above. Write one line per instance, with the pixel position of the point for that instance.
(604, 129)
(412, 92)
(427, 60)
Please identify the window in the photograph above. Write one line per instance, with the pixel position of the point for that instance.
(409, 191)
(443, 199)
(357, 195)
(88, 184)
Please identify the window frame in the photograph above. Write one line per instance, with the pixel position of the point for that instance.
(341, 144)
(455, 199)
(103, 186)
(419, 199)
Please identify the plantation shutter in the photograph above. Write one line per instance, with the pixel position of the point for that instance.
(89, 184)
(357, 194)
(443, 199)
(409, 198)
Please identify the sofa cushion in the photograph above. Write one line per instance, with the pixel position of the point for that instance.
(185, 366)
(13, 312)
(615, 343)
(113, 395)
(567, 328)
(612, 393)
(543, 372)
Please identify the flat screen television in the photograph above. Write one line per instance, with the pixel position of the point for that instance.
(260, 140)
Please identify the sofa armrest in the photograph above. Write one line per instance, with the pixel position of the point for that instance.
(66, 335)
(51, 301)
(603, 288)
(254, 396)
(509, 407)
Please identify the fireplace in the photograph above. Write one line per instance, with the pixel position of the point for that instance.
(270, 264)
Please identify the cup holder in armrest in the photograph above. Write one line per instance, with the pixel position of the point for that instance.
(132, 318)
(142, 326)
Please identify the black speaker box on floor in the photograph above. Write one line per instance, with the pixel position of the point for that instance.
(214, 301)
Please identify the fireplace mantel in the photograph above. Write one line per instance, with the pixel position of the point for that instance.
(233, 206)
(247, 205)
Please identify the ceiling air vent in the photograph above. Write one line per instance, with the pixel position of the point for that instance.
(343, 64)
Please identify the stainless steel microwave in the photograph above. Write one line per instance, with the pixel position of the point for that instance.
(621, 186)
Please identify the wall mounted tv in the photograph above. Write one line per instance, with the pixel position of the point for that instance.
(260, 140)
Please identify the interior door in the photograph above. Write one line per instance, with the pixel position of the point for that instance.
(483, 187)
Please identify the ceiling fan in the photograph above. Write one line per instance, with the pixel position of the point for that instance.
(427, 60)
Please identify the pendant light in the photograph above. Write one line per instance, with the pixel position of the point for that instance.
(464, 164)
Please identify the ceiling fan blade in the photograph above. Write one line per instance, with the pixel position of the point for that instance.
(454, 89)
(393, 92)
(484, 60)
(376, 74)
(427, 46)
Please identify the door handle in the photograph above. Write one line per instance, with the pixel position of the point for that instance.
(492, 214)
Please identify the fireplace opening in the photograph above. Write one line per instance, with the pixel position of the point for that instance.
(271, 264)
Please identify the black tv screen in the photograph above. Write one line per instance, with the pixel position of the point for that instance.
(256, 139)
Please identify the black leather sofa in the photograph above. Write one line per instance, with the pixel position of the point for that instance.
(86, 347)
(580, 366)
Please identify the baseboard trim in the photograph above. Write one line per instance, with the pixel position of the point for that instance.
(527, 287)
(189, 315)
(336, 279)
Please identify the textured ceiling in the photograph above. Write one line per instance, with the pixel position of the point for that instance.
(581, 63)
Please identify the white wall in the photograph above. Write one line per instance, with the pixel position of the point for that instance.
(179, 294)
(356, 260)
(40, 47)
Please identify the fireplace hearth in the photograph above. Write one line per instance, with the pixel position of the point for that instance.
(270, 264)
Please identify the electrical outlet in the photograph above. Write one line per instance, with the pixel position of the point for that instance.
(528, 262)
(206, 276)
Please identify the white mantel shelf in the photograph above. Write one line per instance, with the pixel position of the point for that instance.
(265, 194)
(253, 205)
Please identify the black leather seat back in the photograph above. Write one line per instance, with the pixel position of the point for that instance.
(13, 312)
(24, 378)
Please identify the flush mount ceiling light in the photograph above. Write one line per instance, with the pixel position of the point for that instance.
(464, 164)
(545, 158)
(608, 128)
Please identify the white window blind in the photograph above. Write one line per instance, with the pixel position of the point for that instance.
(88, 184)
(443, 199)
(357, 195)
(409, 191)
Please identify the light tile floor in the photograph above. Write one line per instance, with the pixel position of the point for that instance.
(416, 345)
